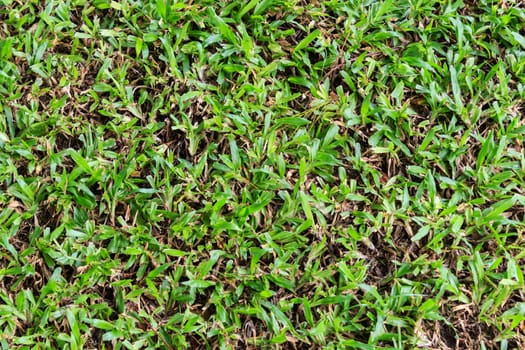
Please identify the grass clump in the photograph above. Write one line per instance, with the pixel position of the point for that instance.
(274, 174)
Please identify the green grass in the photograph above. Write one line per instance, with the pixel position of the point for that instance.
(277, 174)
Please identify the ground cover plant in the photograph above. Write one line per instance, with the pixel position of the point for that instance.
(279, 174)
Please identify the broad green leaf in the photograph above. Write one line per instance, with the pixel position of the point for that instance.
(306, 41)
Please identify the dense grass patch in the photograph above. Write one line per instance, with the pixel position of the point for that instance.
(262, 174)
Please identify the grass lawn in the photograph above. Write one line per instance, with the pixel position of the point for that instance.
(264, 174)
